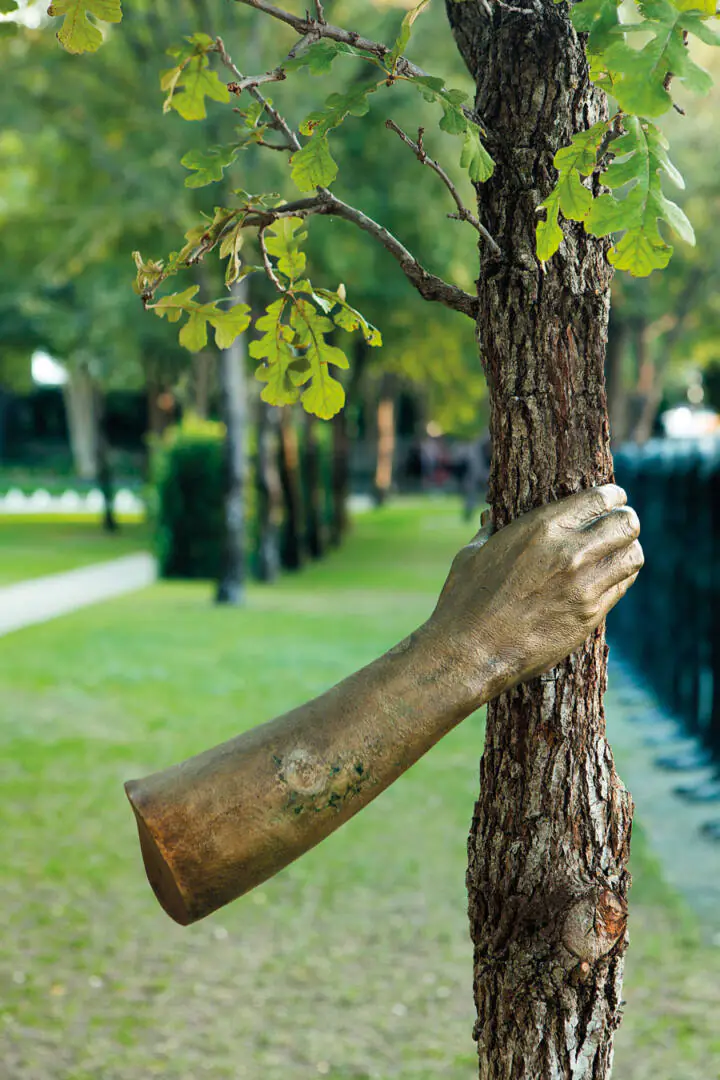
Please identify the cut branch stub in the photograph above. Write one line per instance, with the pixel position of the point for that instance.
(594, 925)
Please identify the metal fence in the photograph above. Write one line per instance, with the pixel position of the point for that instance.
(668, 626)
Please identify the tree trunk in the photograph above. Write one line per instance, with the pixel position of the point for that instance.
(288, 466)
(549, 841)
(648, 392)
(269, 492)
(385, 441)
(312, 487)
(203, 367)
(79, 396)
(104, 467)
(340, 478)
(231, 378)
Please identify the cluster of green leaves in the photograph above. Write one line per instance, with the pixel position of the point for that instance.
(294, 350)
(227, 324)
(628, 153)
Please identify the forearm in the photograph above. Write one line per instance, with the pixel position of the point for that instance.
(221, 823)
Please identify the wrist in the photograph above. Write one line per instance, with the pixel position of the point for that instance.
(469, 669)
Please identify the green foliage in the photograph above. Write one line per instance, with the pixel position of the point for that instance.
(632, 161)
(77, 33)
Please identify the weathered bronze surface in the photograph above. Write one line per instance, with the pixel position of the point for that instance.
(514, 604)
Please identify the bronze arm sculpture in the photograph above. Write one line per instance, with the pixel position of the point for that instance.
(515, 603)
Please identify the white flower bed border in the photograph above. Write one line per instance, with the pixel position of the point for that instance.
(16, 503)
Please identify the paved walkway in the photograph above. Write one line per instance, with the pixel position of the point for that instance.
(640, 732)
(44, 598)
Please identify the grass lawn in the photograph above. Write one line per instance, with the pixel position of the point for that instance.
(354, 963)
(31, 548)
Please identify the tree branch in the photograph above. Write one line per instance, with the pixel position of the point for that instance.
(325, 203)
(424, 158)
(317, 28)
(276, 120)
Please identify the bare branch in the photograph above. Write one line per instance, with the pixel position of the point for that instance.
(424, 158)
(319, 12)
(276, 120)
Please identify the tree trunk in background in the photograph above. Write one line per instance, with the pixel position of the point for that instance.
(340, 478)
(231, 379)
(289, 469)
(79, 395)
(385, 440)
(269, 492)
(617, 391)
(549, 841)
(104, 466)
(159, 417)
(648, 392)
(312, 488)
(203, 367)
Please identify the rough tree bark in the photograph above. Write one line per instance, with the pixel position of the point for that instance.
(549, 841)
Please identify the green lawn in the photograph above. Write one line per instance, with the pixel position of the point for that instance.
(354, 963)
(30, 549)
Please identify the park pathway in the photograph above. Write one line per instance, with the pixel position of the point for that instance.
(43, 598)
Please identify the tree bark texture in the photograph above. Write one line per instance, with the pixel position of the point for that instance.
(549, 841)
(269, 492)
(231, 378)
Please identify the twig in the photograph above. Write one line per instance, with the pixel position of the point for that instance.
(266, 260)
(319, 12)
(251, 81)
(320, 29)
(276, 120)
(424, 158)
